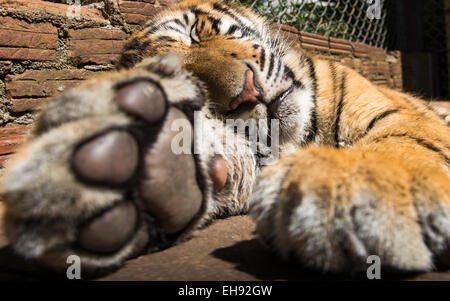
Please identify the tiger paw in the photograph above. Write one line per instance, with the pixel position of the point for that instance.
(99, 177)
(331, 209)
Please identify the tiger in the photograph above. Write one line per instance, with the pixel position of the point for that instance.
(359, 169)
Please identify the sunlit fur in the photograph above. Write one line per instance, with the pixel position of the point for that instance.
(364, 170)
(351, 141)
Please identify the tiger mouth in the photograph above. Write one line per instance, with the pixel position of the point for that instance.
(272, 106)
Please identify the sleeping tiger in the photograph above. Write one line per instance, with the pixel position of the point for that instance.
(361, 169)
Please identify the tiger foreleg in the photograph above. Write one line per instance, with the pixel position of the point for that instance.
(113, 170)
(332, 208)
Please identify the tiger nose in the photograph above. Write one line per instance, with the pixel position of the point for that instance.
(249, 94)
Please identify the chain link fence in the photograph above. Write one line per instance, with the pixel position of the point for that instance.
(364, 21)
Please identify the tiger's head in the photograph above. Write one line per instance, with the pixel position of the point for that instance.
(249, 69)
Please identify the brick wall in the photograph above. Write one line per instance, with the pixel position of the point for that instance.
(381, 67)
(43, 52)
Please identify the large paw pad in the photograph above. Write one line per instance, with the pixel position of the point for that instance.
(124, 188)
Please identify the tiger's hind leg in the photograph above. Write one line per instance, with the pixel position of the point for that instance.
(106, 175)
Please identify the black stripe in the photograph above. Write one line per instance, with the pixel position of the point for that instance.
(149, 24)
(156, 27)
(271, 64)
(177, 21)
(278, 69)
(215, 24)
(312, 131)
(288, 73)
(133, 44)
(202, 26)
(166, 38)
(420, 141)
(136, 45)
(379, 117)
(232, 29)
(129, 59)
(143, 45)
(151, 30)
(249, 32)
(262, 58)
(335, 84)
(227, 12)
(173, 28)
(186, 18)
(414, 106)
(195, 10)
(339, 108)
(333, 77)
(245, 30)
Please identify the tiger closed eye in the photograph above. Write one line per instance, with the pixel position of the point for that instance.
(272, 108)
(194, 36)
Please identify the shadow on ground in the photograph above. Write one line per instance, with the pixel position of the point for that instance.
(226, 250)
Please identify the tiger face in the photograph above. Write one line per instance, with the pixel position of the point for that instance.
(249, 70)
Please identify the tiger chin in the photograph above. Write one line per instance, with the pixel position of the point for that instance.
(362, 170)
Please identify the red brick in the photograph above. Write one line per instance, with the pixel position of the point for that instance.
(383, 68)
(43, 83)
(4, 159)
(18, 25)
(14, 38)
(99, 59)
(27, 41)
(138, 12)
(11, 136)
(55, 8)
(26, 104)
(287, 28)
(38, 89)
(340, 45)
(86, 47)
(341, 51)
(314, 47)
(97, 33)
(12, 53)
(396, 68)
(165, 2)
(96, 45)
(10, 144)
(136, 19)
(314, 41)
(313, 36)
(348, 62)
(49, 74)
(13, 130)
(133, 7)
(96, 51)
(370, 67)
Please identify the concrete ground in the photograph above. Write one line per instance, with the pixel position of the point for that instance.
(225, 250)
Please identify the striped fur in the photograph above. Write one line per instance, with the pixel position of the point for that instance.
(364, 170)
